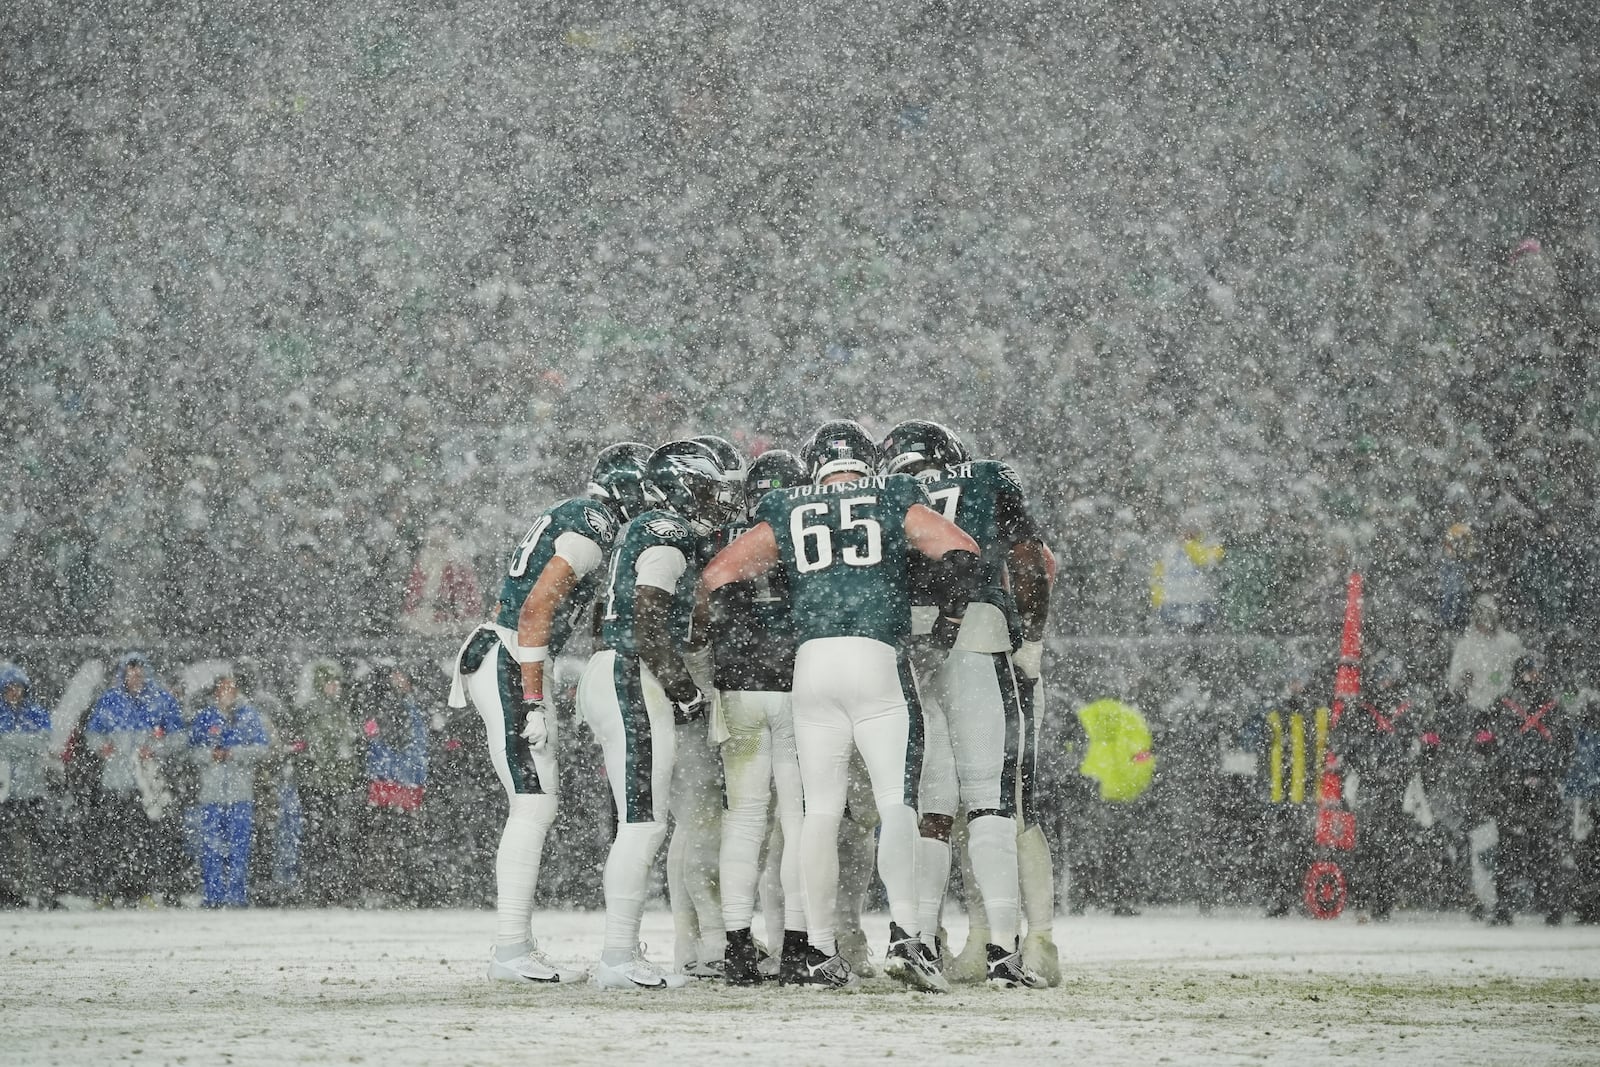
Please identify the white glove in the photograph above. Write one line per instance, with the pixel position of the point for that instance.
(1029, 659)
(535, 727)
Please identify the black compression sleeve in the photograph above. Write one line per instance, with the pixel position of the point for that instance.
(652, 634)
(960, 580)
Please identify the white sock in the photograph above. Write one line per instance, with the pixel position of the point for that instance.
(516, 866)
(627, 881)
(897, 862)
(933, 879)
(1036, 875)
(744, 831)
(819, 873)
(992, 844)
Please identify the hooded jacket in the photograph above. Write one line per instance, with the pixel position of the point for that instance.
(24, 737)
(127, 721)
(240, 732)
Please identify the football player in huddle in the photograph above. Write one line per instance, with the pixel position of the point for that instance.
(752, 638)
(843, 543)
(550, 579)
(636, 690)
(974, 714)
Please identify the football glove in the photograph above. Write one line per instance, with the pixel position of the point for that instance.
(691, 710)
(1029, 659)
(535, 723)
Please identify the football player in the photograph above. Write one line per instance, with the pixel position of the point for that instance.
(843, 542)
(752, 641)
(636, 689)
(550, 580)
(975, 716)
(694, 843)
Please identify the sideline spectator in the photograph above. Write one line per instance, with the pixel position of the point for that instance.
(1582, 785)
(1285, 737)
(1525, 745)
(1377, 739)
(397, 773)
(226, 740)
(132, 725)
(327, 748)
(25, 819)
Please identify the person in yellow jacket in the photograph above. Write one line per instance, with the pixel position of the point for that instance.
(1183, 585)
(1117, 754)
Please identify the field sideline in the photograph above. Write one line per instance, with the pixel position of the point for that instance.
(389, 987)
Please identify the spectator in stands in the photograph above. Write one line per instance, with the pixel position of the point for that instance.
(442, 592)
(1377, 738)
(1481, 660)
(133, 725)
(26, 822)
(1457, 555)
(328, 750)
(1526, 745)
(1183, 587)
(227, 739)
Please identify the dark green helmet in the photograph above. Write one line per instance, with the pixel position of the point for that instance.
(618, 479)
(728, 457)
(917, 445)
(684, 477)
(840, 445)
(777, 468)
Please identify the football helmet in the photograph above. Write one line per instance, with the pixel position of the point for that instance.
(618, 478)
(728, 457)
(840, 445)
(777, 468)
(684, 477)
(918, 444)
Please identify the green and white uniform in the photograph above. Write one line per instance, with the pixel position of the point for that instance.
(753, 651)
(618, 696)
(845, 555)
(974, 687)
(488, 668)
(977, 717)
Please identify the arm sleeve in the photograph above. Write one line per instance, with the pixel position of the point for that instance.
(1011, 518)
(660, 567)
(581, 553)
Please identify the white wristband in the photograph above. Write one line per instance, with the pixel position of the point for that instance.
(537, 654)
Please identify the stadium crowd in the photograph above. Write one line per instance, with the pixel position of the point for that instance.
(299, 333)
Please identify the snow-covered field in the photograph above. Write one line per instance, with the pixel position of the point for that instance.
(390, 987)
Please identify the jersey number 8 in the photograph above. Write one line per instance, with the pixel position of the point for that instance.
(813, 543)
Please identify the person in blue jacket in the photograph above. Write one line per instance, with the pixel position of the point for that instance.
(133, 726)
(25, 851)
(227, 739)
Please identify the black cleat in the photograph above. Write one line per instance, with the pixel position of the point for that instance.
(741, 961)
(1007, 972)
(818, 969)
(914, 963)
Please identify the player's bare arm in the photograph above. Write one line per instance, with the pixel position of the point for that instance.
(555, 585)
(750, 555)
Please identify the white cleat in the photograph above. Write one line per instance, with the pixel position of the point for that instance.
(912, 962)
(636, 974)
(533, 968)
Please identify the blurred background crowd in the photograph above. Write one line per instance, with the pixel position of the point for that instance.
(306, 309)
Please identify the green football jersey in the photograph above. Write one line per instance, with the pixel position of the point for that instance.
(640, 535)
(985, 498)
(844, 552)
(588, 519)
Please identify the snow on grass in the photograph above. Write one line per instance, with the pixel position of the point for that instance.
(393, 987)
